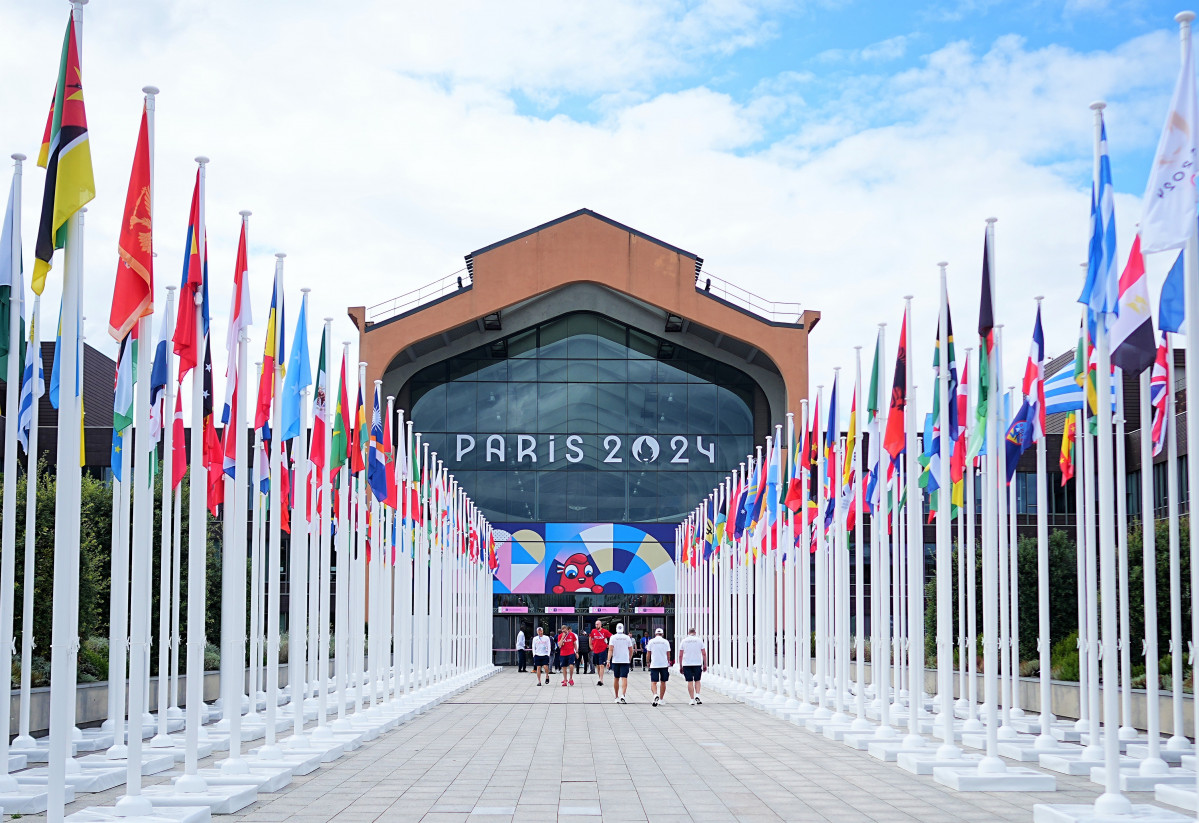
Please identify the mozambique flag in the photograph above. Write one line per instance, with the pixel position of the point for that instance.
(67, 158)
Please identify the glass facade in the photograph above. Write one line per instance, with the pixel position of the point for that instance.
(585, 420)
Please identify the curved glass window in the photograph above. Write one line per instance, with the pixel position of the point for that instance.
(585, 420)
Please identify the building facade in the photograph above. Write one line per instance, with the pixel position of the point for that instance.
(588, 385)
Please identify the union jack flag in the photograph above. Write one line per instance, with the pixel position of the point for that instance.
(1159, 389)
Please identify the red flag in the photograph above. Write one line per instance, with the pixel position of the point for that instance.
(186, 339)
(893, 442)
(133, 291)
(178, 444)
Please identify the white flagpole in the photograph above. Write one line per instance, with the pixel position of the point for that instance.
(1127, 730)
(176, 595)
(272, 608)
(197, 548)
(421, 655)
(1191, 264)
(341, 617)
(118, 621)
(297, 600)
(236, 573)
(1089, 581)
(970, 590)
(915, 536)
(24, 739)
(408, 526)
(256, 512)
(1045, 739)
(8, 566)
(861, 723)
(822, 711)
(1153, 764)
(1003, 535)
(1178, 740)
(879, 527)
(991, 764)
(791, 600)
(391, 659)
(1014, 709)
(161, 739)
(324, 520)
(944, 568)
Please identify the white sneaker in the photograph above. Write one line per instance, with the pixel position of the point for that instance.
(692, 703)
(617, 700)
(657, 700)
(698, 701)
(622, 700)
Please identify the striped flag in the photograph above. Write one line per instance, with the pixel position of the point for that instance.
(1132, 332)
(1064, 394)
(67, 158)
(32, 389)
(1100, 292)
(1034, 379)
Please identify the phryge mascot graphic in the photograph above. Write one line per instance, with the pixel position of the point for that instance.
(577, 576)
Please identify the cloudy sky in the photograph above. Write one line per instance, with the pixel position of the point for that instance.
(826, 152)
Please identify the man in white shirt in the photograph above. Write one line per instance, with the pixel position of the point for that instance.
(541, 655)
(520, 650)
(658, 651)
(620, 652)
(693, 662)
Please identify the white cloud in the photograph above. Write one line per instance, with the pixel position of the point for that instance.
(892, 48)
(379, 146)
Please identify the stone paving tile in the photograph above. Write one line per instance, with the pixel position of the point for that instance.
(508, 750)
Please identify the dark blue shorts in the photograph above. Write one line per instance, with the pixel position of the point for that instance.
(568, 659)
(620, 670)
(599, 658)
(692, 673)
(540, 660)
(659, 675)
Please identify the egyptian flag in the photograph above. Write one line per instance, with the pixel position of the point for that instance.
(1133, 348)
(893, 440)
(67, 158)
(133, 291)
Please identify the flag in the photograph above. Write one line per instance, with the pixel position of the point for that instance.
(339, 447)
(32, 389)
(240, 319)
(272, 352)
(11, 283)
(133, 291)
(392, 500)
(320, 414)
(1034, 378)
(1064, 394)
(1066, 460)
(1100, 292)
(158, 383)
(122, 404)
(1019, 437)
(893, 440)
(358, 437)
(298, 378)
(957, 461)
(986, 349)
(874, 457)
(67, 158)
(179, 445)
(214, 453)
(1159, 390)
(115, 460)
(1168, 208)
(377, 466)
(1132, 331)
(1172, 306)
(187, 337)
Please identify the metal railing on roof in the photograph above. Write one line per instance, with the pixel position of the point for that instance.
(726, 292)
(442, 287)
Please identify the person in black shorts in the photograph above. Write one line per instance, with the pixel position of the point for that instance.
(658, 651)
(620, 650)
(541, 656)
(597, 642)
(693, 662)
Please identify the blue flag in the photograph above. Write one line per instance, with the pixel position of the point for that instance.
(299, 376)
(1019, 437)
(1101, 291)
(1173, 302)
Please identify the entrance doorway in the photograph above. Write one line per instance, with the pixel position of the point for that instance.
(640, 627)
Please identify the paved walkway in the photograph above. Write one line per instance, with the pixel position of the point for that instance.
(508, 750)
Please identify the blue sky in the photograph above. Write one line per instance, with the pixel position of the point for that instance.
(819, 151)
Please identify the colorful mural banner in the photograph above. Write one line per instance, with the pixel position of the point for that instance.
(584, 558)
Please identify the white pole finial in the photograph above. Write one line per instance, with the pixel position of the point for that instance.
(150, 90)
(328, 319)
(202, 160)
(1039, 298)
(305, 290)
(1184, 17)
(1098, 105)
(943, 265)
(992, 219)
(245, 212)
(20, 158)
(280, 255)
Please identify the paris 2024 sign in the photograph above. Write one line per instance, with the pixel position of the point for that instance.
(584, 558)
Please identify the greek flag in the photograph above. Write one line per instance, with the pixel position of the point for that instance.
(31, 390)
(1062, 394)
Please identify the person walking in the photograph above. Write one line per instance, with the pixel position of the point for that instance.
(620, 650)
(568, 643)
(658, 651)
(557, 654)
(693, 662)
(541, 655)
(597, 640)
(520, 650)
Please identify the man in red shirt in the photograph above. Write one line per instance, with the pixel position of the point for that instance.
(598, 638)
(568, 645)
